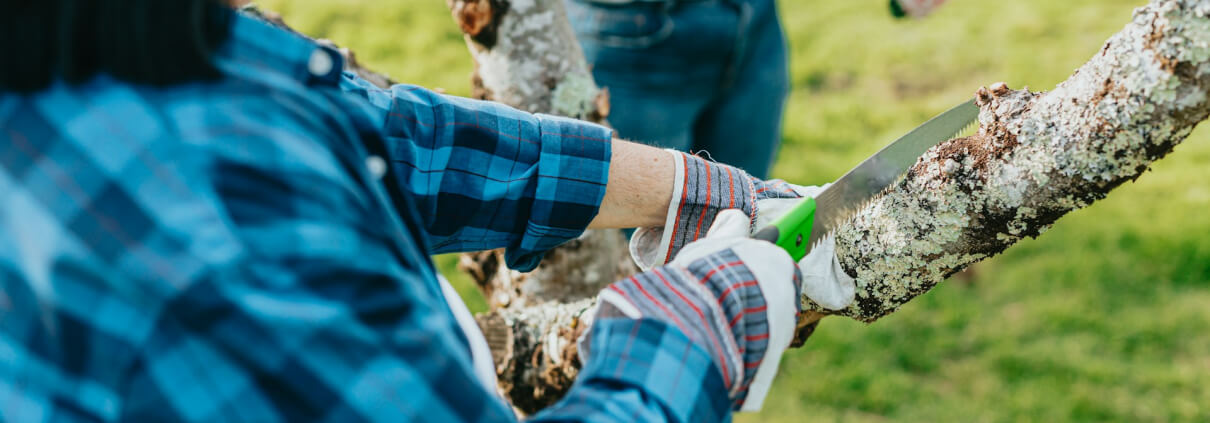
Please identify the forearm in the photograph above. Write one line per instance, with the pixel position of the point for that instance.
(639, 187)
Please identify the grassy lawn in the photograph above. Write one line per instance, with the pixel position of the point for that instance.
(1105, 317)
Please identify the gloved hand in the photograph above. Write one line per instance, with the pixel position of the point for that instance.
(734, 296)
(702, 189)
(824, 280)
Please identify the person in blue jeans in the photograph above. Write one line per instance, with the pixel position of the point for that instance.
(676, 68)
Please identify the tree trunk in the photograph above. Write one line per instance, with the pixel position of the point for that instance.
(1036, 157)
(526, 56)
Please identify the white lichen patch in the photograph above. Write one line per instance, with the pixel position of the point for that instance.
(574, 95)
(534, 47)
(521, 6)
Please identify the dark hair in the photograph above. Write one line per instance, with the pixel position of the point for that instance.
(155, 42)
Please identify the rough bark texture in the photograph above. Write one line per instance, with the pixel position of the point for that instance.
(535, 318)
(526, 56)
(534, 349)
(1036, 157)
(574, 271)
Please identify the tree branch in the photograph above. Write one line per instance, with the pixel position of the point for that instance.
(1036, 157)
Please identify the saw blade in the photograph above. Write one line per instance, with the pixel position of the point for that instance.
(849, 194)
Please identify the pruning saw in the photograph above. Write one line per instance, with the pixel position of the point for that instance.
(800, 228)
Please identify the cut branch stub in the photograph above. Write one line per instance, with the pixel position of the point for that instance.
(479, 19)
(526, 56)
(534, 350)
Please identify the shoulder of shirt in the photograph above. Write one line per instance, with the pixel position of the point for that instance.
(261, 51)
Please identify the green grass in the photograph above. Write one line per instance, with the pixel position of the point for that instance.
(1104, 318)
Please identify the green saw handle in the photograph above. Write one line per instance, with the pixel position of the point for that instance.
(792, 230)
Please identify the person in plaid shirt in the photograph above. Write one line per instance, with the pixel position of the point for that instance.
(206, 219)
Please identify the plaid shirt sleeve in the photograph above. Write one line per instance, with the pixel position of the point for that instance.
(485, 175)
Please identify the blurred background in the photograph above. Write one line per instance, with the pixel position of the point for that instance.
(1106, 317)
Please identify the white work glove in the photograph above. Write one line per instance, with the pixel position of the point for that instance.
(767, 262)
(824, 280)
(708, 292)
(702, 189)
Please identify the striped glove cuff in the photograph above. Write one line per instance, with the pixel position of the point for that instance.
(717, 302)
(701, 190)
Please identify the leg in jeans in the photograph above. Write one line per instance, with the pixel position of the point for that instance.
(742, 127)
(662, 62)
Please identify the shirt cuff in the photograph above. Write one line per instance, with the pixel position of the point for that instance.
(660, 360)
(573, 168)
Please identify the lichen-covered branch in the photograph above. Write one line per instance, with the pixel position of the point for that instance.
(1036, 157)
(526, 56)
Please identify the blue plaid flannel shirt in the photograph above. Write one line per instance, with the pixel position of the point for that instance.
(227, 251)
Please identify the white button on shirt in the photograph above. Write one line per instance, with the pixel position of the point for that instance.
(320, 64)
(377, 166)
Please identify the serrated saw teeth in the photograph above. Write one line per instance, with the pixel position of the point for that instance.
(873, 177)
(968, 127)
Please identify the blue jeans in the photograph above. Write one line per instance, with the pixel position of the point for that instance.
(691, 75)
